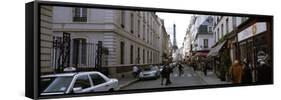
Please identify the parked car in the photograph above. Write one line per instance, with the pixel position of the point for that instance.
(80, 82)
(151, 72)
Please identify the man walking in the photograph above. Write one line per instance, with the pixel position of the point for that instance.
(135, 71)
(180, 68)
(247, 72)
(165, 74)
(205, 68)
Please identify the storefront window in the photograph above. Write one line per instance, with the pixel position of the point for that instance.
(243, 49)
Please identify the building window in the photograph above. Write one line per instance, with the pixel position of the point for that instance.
(226, 25)
(218, 32)
(132, 23)
(79, 52)
(222, 30)
(139, 28)
(215, 22)
(138, 58)
(132, 54)
(150, 22)
(243, 19)
(151, 37)
(150, 56)
(215, 36)
(144, 17)
(205, 43)
(79, 14)
(209, 29)
(143, 37)
(143, 56)
(147, 35)
(152, 25)
(123, 19)
(147, 57)
(122, 52)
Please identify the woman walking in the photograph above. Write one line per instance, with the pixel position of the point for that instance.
(235, 71)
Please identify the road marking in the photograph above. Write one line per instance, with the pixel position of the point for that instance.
(175, 75)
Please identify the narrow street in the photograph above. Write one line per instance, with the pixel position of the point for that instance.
(189, 78)
(113, 49)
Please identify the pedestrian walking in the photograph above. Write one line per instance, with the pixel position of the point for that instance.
(169, 71)
(135, 71)
(193, 65)
(264, 72)
(162, 75)
(247, 72)
(180, 68)
(235, 72)
(165, 74)
(205, 68)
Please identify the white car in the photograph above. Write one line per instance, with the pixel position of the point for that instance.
(150, 73)
(80, 82)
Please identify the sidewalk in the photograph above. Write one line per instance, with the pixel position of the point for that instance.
(211, 78)
(125, 79)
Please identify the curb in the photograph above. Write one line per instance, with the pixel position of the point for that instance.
(128, 83)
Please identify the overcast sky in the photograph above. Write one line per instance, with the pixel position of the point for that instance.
(181, 21)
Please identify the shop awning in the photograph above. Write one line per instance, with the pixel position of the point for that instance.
(215, 51)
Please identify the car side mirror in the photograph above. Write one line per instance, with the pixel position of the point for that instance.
(77, 89)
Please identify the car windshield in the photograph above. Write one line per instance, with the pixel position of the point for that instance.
(146, 69)
(150, 69)
(58, 84)
(154, 68)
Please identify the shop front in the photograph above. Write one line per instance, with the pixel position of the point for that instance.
(221, 60)
(254, 46)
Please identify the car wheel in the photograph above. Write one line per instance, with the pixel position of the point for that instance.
(156, 77)
(111, 90)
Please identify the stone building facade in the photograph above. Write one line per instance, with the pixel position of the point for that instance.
(46, 38)
(201, 34)
(131, 37)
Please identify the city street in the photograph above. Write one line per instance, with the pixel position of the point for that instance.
(120, 47)
(189, 78)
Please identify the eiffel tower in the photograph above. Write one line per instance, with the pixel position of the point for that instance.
(175, 47)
